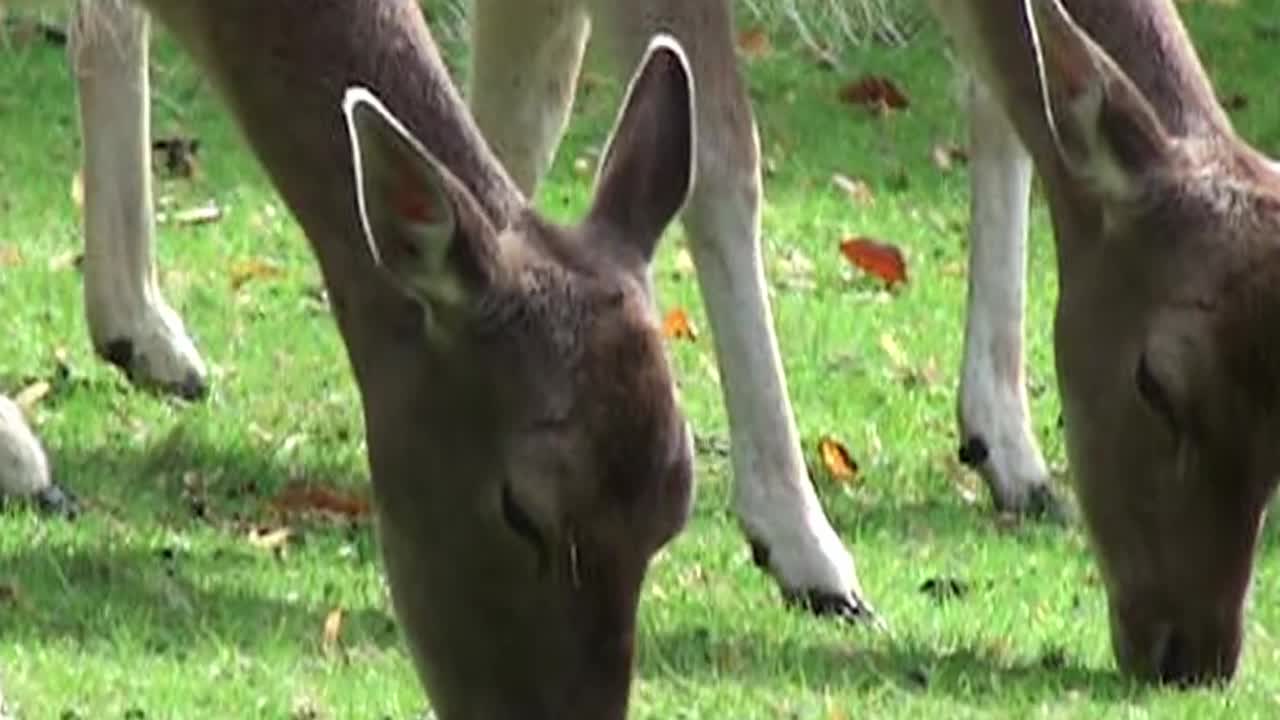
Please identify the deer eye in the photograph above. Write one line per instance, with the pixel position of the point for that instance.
(1154, 394)
(518, 520)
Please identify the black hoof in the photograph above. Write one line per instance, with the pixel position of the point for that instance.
(192, 388)
(53, 500)
(847, 607)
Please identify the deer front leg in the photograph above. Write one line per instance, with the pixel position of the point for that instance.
(995, 422)
(129, 321)
(525, 62)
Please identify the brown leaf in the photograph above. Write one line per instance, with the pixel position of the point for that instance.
(753, 43)
(252, 269)
(677, 326)
(879, 259)
(875, 92)
(10, 256)
(299, 499)
(332, 629)
(857, 190)
(836, 459)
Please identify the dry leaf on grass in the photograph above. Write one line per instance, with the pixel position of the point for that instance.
(677, 326)
(875, 92)
(243, 271)
(945, 156)
(301, 499)
(753, 43)
(198, 215)
(858, 191)
(10, 256)
(837, 460)
(274, 540)
(332, 629)
(876, 258)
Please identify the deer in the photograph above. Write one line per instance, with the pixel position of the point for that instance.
(1163, 219)
(526, 446)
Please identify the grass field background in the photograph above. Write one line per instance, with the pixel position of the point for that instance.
(158, 604)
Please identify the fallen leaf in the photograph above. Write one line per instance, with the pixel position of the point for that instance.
(199, 215)
(299, 498)
(265, 539)
(836, 459)
(10, 256)
(947, 155)
(677, 326)
(332, 629)
(252, 269)
(876, 92)
(879, 259)
(32, 394)
(754, 43)
(897, 357)
(857, 190)
(582, 166)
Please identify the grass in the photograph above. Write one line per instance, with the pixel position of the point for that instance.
(147, 609)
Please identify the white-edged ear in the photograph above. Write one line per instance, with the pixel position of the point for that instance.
(1106, 131)
(648, 167)
(422, 226)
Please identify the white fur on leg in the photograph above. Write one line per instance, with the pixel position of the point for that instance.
(129, 320)
(773, 498)
(995, 422)
(24, 469)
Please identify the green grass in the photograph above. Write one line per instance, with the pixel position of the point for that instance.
(144, 609)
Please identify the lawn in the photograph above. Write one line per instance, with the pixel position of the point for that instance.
(166, 600)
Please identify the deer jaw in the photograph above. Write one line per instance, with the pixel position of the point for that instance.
(1168, 235)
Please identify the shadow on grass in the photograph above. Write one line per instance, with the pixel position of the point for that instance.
(972, 673)
(99, 596)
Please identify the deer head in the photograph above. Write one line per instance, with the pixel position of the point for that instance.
(523, 492)
(1167, 336)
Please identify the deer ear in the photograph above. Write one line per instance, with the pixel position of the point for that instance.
(422, 225)
(648, 166)
(1107, 132)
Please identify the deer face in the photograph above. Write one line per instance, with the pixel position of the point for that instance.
(540, 458)
(1167, 334)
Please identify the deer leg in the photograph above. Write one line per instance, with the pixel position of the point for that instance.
(525, 62)
(995, 422)
(129, 321)
(24, 468)
(774, 501)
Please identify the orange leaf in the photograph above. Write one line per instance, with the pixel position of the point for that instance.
(251, 269)
(677, 326)
(298, 498)
(879, 259)
(836, 458)
(753, 43)
(332, 629)
(875, 92)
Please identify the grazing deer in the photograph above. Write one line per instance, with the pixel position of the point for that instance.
(1168, 318)
(527, 452)
(526, 57)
